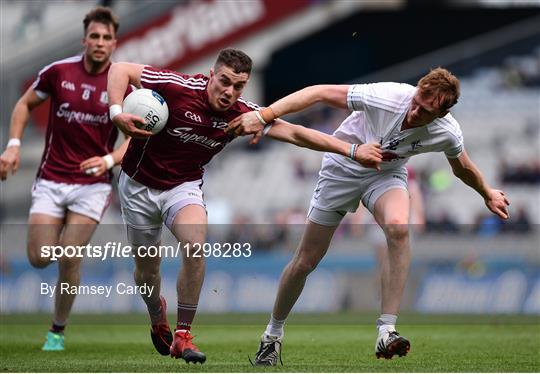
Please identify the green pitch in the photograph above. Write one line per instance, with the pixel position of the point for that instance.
(313, 343)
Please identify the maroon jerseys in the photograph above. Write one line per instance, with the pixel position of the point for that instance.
(193, 134)
(79, 125)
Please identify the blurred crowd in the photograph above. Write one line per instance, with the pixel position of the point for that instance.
(520, 173)
(31, 23)
(285, 232)
(521, 71)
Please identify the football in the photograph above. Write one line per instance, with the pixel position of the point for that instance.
(149, 105)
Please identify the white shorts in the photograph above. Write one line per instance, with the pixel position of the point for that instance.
(145, 209)
(338, 192)
(54, 199)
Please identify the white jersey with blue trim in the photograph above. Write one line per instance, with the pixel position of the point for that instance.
(379, 110)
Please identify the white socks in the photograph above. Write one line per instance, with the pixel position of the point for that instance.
(386, 323)
(275, 327)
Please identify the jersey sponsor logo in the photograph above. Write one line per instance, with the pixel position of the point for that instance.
(70, 86)
(81, 117)
(192, 116)
(185, 135)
